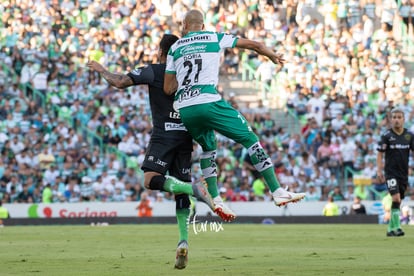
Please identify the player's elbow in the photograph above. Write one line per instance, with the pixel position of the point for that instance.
(167, 89)
(170, 87)
(120, 85)
(259, 47)
(250, 44)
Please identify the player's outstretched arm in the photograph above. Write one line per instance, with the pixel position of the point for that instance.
(261, 49)
(118, 80)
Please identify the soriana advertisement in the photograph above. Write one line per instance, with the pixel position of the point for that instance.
(82, 210)
(167, 209)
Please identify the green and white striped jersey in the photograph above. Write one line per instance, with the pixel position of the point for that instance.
(195, 59)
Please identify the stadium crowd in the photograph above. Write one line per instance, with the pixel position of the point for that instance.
(344, 72)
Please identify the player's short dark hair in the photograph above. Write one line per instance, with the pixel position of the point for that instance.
(166, 42)
(397, 110)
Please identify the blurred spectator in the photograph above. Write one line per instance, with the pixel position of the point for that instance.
(4, 213)
(386, 205)
(238, 196)
(16, 145)
(45, 158)
(348, 151)
(29, 69)
(39, 79)
(324, 152)
(72, 192)
(310, 132)
(259, 187)
(87, 192)
(25, 196)
(312, 193)
(330, 208)
(265, 73)
(145, 206)
(119, 196)
(336, 194)
(405, 217)
(316, 107)
(299, 104)
(357, 208)
(306, 163)
(47, 194)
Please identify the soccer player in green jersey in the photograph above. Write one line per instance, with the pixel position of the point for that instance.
(192, 74)
(170, 146)
(394, 147)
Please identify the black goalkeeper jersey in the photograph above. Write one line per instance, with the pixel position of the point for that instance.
(166, 121)
(397, 151)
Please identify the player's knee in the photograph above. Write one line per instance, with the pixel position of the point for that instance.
(147, 180)
(395, 204)
(248, 140)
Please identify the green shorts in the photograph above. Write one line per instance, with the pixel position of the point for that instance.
(203, 119)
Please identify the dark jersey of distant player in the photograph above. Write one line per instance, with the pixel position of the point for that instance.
(358, 209)
(397, 150)
(166, 121)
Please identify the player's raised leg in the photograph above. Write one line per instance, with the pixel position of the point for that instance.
(176, 186)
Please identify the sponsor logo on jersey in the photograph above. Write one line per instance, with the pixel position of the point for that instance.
(399, 146)
(186, 171)
(188, 94)
(194, 38)
(161, 163)
(174, 115)
(174, 126)
(191, 49)
(137, 71)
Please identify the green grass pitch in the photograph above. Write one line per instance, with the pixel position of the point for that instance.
(236, 249)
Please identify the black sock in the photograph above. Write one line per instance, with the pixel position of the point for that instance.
(157, 183)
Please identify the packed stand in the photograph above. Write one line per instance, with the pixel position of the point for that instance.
(335, 67)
